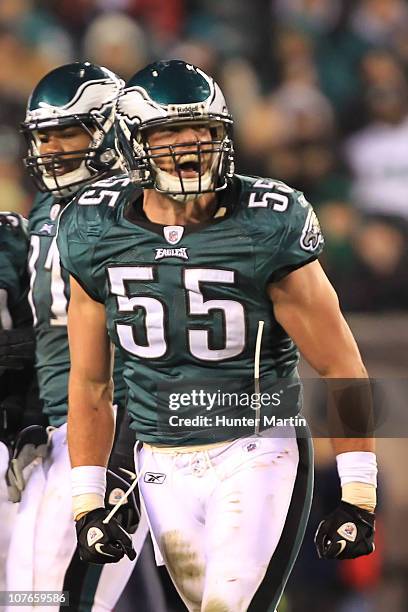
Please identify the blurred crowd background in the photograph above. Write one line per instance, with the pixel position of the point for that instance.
(319, 92)
(318, 89)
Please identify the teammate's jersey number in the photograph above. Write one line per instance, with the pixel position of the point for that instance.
(59, 302)
(155, 332)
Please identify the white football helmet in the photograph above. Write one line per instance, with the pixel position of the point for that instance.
(170, 94)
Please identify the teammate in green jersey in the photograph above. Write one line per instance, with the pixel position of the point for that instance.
(14, 309)
(16, 334)
(70, 134)
(207, 282)
(19, 404)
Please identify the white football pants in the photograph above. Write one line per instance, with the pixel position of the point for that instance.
(8, 512)
(217, 515)
(44, 539)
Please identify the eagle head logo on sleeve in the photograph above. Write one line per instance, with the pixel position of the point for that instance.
(312, 236)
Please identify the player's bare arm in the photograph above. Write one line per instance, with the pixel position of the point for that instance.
(91, 425)
(306, 306)
(90, 416)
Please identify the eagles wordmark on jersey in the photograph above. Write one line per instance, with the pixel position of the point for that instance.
(180, 300)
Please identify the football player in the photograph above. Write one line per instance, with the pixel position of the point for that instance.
(207, 282)
(69, 128)
(19, 404)
(16, 347)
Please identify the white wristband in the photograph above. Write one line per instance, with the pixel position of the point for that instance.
(88, 488)
(88, 479)
(357, 466)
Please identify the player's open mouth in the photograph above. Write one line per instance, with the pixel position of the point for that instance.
(56, 170)
(189, 166)
(55, 167)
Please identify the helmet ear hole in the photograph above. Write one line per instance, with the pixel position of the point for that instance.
(217, 131)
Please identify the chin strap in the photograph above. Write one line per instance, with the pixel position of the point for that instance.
(167, 182)
(172, 185)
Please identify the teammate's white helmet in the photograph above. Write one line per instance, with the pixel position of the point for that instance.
(74, 94)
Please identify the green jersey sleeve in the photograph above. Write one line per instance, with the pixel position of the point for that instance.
(284, 227)
(302, 239)
(76, 246)
(81, 230)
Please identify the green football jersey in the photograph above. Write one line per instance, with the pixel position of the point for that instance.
(184, 303)
(49, 297)
(13, 266)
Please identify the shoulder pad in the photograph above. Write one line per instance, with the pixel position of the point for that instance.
(105, 192)
(96, 207)
(267, 193)
(40, 208)
(293, 219)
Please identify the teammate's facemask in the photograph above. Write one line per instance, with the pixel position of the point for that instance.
(81, 95)
(174, 95)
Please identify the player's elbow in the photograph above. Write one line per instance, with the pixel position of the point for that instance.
(350, 366)
(93, 393)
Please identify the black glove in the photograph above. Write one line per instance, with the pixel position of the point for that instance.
(17, 348)
(346, 533)
(118, 481)
(100, 542)
(31, 442)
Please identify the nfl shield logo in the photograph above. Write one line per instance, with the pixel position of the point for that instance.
(173, 233)
(348, 531)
